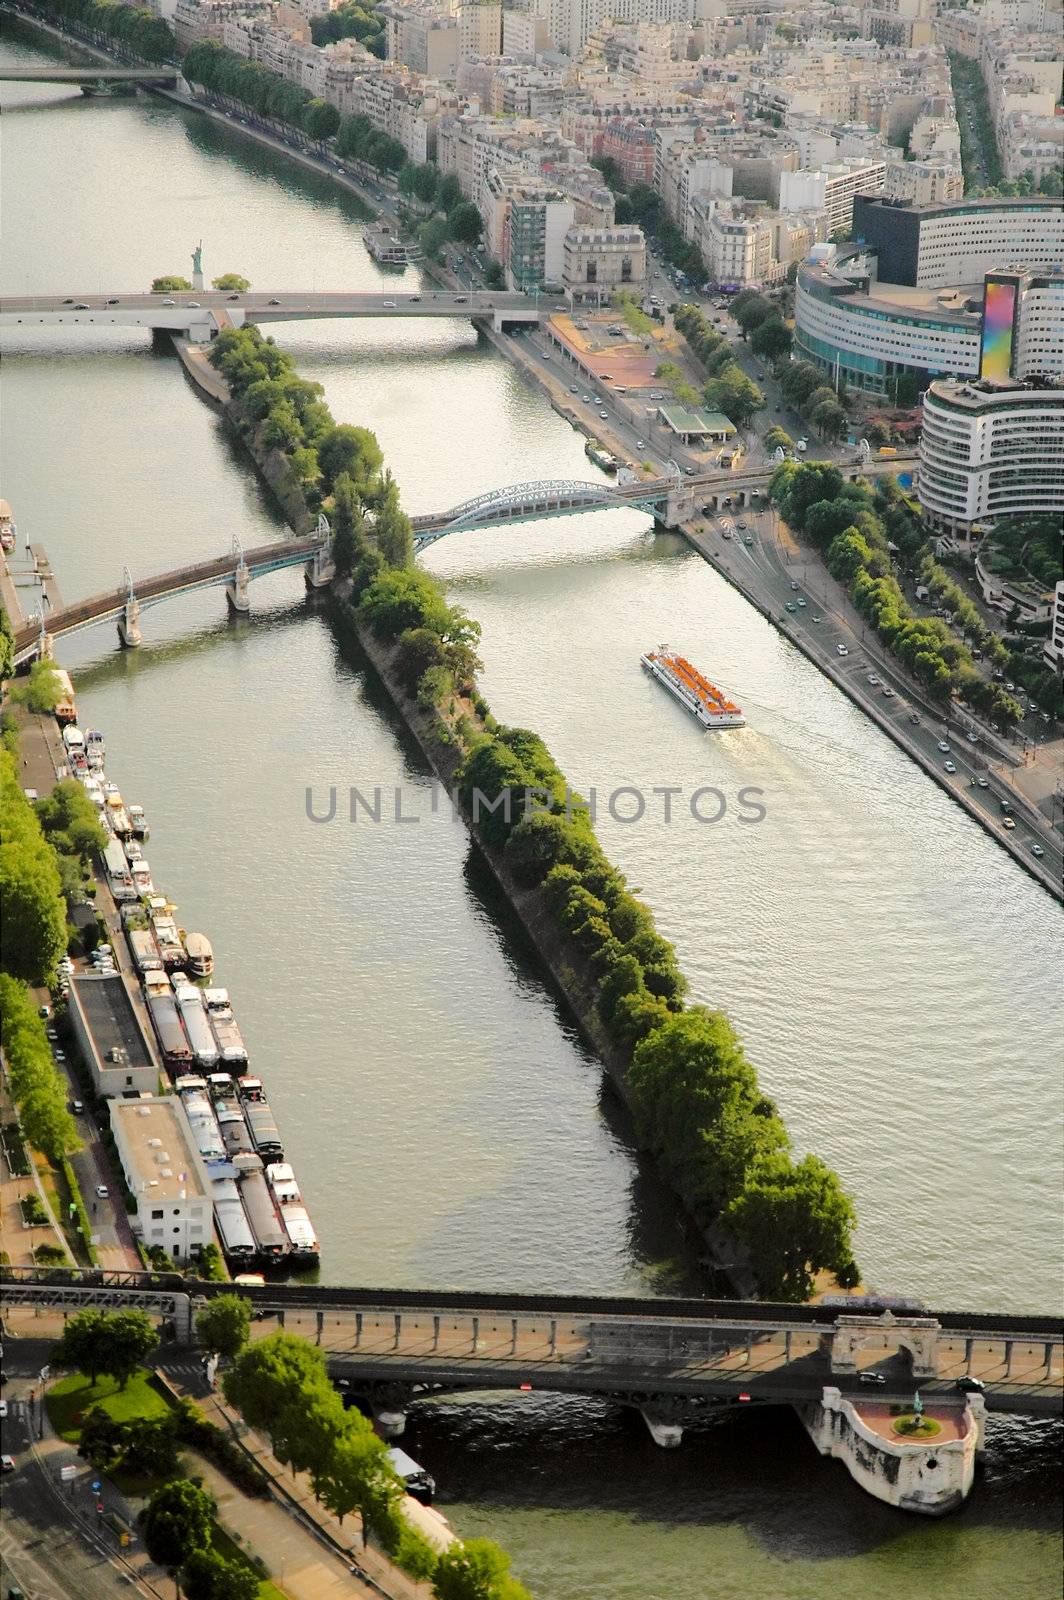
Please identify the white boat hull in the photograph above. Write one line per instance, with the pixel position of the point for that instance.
(690, 702)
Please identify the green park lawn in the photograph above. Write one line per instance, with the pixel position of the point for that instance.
(71, 1399)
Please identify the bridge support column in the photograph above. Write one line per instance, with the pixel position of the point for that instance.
(1009, 1347)
(968, 1344)
(236, 590)
(977, 1412)
(398, 1330)
(320, 1323)
(129, 624)
(358, 1329)
(476, 1334)
(183, 1319)
(678, 507)
(435, 1333)
(665, 1433)
(390, 1420)
(1049, 1349)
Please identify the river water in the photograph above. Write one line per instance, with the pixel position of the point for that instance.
(888, 966)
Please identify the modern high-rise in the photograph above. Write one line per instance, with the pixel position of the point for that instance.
(990, 450)
(935, 247)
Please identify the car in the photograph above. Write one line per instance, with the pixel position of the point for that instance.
(950, 766)
(1010, 686)
(816, 619)
(102, 1192)
(689, 471)
(274, 302)
(1008, 823)
(69, 301)
(3, 1408)
(794, 585)
(943, 745)
(574, 388)
(44, 1011)
(414, 299)
(872, 678)
(461, 300)
(968, 1385)
(725, 533)
(877, 1378)
(842, 650)
(742, 529)
(234, 297)
(7, 1463)
(914, 718)
(604, 415)
(60, 1055)
(112, 302)
(982, 783)
(192, 305)
(748, 538)
(800, 603)
(389, 304)
(640, 444)
(81, 305)
(52, 1033)
(791, 606)
(77, 1107)
(169, 302)
(1036, 850)
(888, 692)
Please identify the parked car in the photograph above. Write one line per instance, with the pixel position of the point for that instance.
(876, 1378)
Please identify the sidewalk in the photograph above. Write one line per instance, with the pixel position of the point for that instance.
(309, 1542)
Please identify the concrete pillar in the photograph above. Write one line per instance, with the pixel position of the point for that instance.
(476, 1333)
(513, 1336)
(182, 1319)
(398, 1317)
(436, 1333)
(1010, 1345)
(391, 1422)
(667, 1435)
(1049, 1351)
(968, 1345)
(358, 1329)
(236, 591)
(787, 1344)
(129, 625)
(554, 1336)
(319, 573)
(319, 1318)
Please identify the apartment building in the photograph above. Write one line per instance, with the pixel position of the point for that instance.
(479, 28)
(164, 1175)
(990, 450)
(540, 218)
(596, 261)
(832, 190)
(422, 37)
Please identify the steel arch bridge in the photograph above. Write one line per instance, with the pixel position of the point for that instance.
(553, 497)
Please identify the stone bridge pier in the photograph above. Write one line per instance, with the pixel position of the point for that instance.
(678, 507)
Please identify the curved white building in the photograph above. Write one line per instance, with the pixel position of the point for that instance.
(990, 450)
(929, 247)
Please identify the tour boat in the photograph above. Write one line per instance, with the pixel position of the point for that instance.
(686, 684)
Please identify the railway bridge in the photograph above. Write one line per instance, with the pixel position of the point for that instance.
(673, 1359)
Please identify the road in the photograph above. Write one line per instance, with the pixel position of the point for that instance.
(781, 575)
(269, 305)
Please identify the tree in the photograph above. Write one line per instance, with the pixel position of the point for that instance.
(34, 914)
(149, 1447)
(829, 419)
(476, 1569)
(222, 1325)
(177, 1521)
(432, 236)
(352, 450)
(751, 310)
(101, 1438)
(171, 284)
(84, 1341)
(448, 192)
(131, 1338)
(7, 646)
(771, 339)
(321, 119)
(778, 438)
(391, 527)
(206, 1575)
(41, 692)
(70, 820)
(794, 1220)
(233, 282)
(465, 223)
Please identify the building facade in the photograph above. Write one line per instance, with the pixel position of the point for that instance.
(931, 247)
(597, 261)
(163, 1174)
(990, 450)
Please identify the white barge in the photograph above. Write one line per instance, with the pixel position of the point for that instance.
(685, 683)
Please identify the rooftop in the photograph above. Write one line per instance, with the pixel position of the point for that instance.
(681, 420)
(112, 1023)
(151, 1134)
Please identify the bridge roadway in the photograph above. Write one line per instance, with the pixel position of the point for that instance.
(403, 1341)
(195, 308)
(199, 575)
(164, 77)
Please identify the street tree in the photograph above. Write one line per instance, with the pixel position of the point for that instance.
(131, 1336)
(206, 1575)
(321, 119)
(84, 1342)
(476, 1569)
(771, 339)
(233, 282)
(465, 223)
(172, 283)
(222, 1325)
(34, 913)
(177, 1521)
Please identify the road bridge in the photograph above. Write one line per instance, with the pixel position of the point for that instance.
(94, 77)
(124, 605)
(672, 1357)
(197, 311)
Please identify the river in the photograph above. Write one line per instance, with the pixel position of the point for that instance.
(889, 967)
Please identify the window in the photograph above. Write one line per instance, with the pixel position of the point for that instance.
(156, 1214)
(626, 269)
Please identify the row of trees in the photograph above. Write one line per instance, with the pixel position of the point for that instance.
(696, 1098)
(113, 1344)
(222, 72)
(30, 888)
(728, 389)
(843, 520)
(144, 33)
(281, 1386)
(36, 1085)
(72, 826)
(643, 205)
(7, 646)
(760, 321)
(287, 413)
(804, 388)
